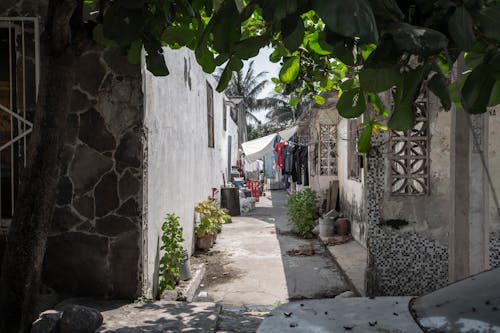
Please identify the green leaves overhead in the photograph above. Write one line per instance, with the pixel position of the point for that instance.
(156, 64)
(379, 79)
(353, 18)
(123, 24)
(226, 27)
(352, 103)
(439, 86)
(489, 22)
(477, 90)
(235, 65)
(403, 116)
(293, 32)
(461, 28)
(364, 139)
(290, 70)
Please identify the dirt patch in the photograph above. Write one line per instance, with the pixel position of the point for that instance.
(337, 240)
(217, 266)
(303, 250)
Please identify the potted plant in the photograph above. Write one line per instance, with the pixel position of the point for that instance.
(172, 258)
(205, 227)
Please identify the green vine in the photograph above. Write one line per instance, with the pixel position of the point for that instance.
(303, 211)
(171, 249)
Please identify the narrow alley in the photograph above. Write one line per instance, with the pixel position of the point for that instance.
(256, 265)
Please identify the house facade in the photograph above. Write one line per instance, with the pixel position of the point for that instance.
(405, 198)
(136, 147)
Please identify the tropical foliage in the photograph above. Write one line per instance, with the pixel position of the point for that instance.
(210, 219)
(303, 211)
(360, 47)
(171, 248)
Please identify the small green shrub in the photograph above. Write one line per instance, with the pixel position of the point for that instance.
(171, 250)
(211, 218)
(303, 211)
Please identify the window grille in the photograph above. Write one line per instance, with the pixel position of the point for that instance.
(327, 150)
(19, 77)
(409, 161)
(210, 115)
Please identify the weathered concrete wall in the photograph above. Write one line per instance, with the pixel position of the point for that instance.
(352, 191)
(427, 214)
(325, 114)
(94, 244)
(180, 168)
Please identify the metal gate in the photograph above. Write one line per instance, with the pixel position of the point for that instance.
(19, 77)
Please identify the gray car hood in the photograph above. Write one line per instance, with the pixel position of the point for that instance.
(357, 314)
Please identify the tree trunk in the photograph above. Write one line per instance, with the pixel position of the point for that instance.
(26, 243)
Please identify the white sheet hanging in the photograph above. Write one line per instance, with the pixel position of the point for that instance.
(256, 149)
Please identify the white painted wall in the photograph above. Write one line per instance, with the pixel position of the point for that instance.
(180, 169)
(351, 192)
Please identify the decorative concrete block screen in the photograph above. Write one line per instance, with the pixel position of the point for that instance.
(409, 158)
(327, 149)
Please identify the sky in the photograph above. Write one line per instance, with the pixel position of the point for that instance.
(262, 63)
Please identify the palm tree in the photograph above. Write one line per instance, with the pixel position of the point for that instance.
(249, 85)
(285, 113)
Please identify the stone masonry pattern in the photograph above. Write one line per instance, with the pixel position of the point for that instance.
(94, 244)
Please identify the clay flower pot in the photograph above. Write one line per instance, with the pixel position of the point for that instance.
(204, 243)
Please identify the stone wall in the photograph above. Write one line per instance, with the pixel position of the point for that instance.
(94, 245)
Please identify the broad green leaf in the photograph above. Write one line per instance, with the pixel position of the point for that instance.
(493, 63)
(489, 22)
(221, 59)
(155, 62)
(318, 44)
(378, 105)
(122, 24)
(319, 99)
(473, 59)
(275, 80)
(347, 84)
(294, 39)
(476, 91)
(294, 101)
(439, 86)
(364, 139)
(234, 65)
(98, 36)
(134, 52)
(226, 26)
(275, 56)
(352, 103)
(290, 70)
(403, 116)
(461, 28)
(250, 47)
(278, 88)
(205, 58)
(353, 18)
(378, 79)
(180, 35)
(344, 52)
(495, 95)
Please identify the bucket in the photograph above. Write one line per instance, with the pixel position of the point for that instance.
(185, 269)
(326, 227)
(342, 226)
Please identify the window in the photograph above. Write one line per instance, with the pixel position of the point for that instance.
(224, 116)
(409, 173)
(327, 150)
(353, 157)
(210, 115)
(18, 89)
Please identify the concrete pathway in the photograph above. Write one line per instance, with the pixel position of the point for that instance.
(253, 252)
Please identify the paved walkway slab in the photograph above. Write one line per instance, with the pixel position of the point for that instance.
(352, 258)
